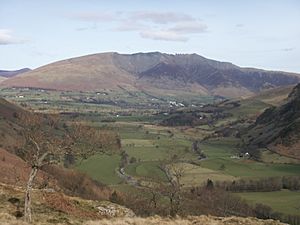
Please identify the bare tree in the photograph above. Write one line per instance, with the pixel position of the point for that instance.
(173, 188)
(46, 142)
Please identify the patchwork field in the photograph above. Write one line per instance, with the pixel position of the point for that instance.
(148, 146)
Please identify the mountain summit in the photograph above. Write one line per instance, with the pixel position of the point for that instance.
(153, 72)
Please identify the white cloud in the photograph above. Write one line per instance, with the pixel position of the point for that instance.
(161, 17)
(287, 49)
(163, 35)
(179, 32)
(167, 26)
(130, 25)
(6, 38)
(95, 16)
(93, 27)
(189, 27)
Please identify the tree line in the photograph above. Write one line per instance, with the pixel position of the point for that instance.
(261, 185)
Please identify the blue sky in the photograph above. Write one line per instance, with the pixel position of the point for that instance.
(256, 33)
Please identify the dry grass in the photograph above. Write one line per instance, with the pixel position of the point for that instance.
(199, 220)
(6, 219)
(291, 151)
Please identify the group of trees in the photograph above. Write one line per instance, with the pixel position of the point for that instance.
(264, 184)
(208, 199)
(196, 147)
(47, 141)
(265, 212)
(171, 201)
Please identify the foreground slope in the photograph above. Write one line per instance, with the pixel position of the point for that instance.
(278, 128)
(57, 208)
(154, 72)
(200, 220)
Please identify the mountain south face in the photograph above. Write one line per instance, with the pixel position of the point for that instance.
(152, 72)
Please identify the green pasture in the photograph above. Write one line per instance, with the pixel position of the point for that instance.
(146, 170)
(101, 168)
(285, 201)
(219, 153)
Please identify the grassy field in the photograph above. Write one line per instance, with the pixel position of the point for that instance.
(281, 201)
(149, 146)
(108, 101)
(101, 168)
(194, 175)
(146, 169)
(219, 153)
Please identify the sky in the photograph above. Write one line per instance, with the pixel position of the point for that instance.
(249, 33)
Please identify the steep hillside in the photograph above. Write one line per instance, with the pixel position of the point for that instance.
(278, 128)
(153, 72)
(9, 137)
(15, 171)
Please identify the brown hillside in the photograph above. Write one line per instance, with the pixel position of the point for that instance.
(87, 73)
(9, 128)
(154, 72)
(14, 171)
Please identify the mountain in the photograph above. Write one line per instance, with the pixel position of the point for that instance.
(12, 73)
(5, 74)
(278, 128)
(153, 72)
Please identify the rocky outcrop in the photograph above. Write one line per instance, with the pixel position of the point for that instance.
(108, 209)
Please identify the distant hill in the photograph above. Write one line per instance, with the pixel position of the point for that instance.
(12, 73)
(5, 74)
(278, 128)
(155, 72)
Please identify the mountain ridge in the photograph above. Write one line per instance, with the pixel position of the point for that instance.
(151, 72)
